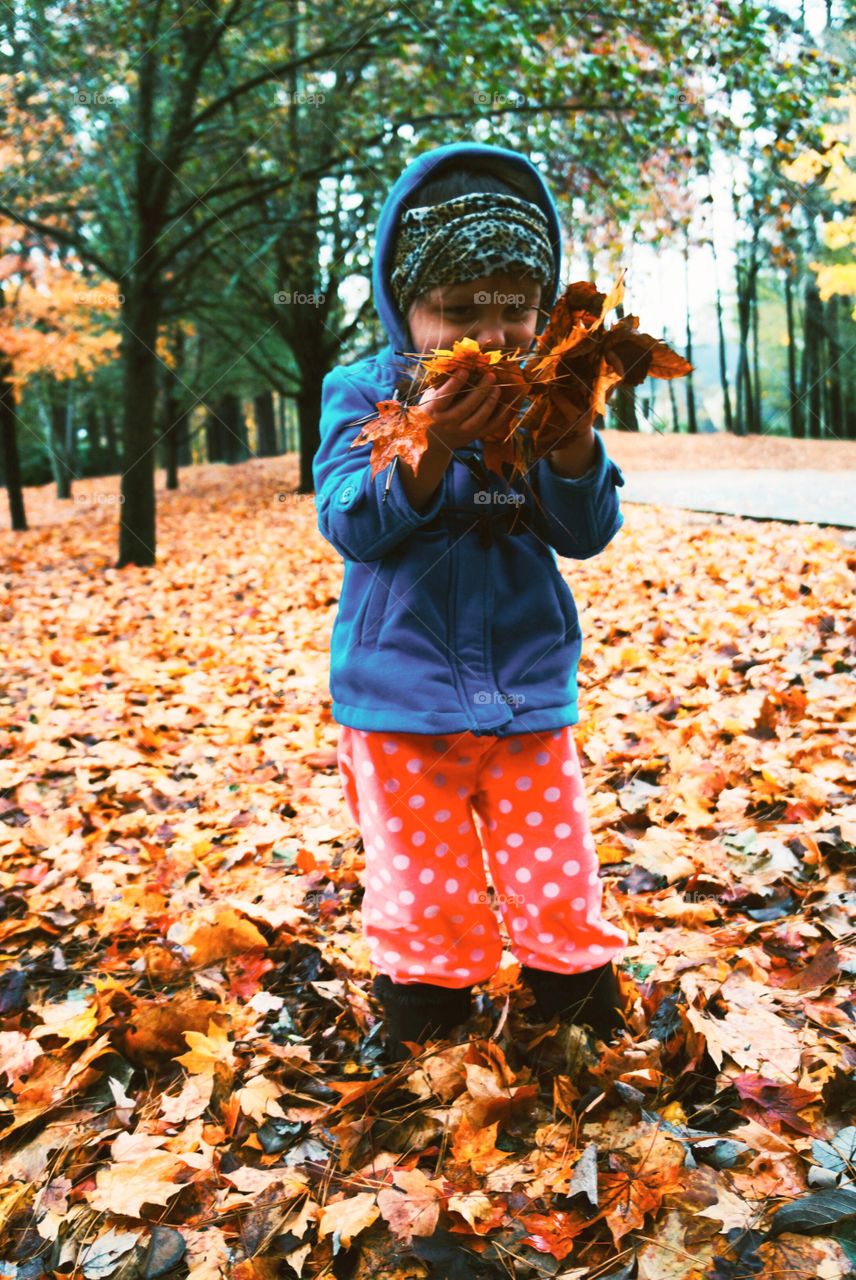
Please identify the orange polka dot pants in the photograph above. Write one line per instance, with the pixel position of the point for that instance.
(433, 811)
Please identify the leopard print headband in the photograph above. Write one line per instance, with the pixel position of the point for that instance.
(468, 237)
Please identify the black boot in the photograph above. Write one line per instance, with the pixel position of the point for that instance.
(592, 997)
(419, 1011)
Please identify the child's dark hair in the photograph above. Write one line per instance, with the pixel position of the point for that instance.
(448, 183)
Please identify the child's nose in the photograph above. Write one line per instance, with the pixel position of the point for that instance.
(491, 335)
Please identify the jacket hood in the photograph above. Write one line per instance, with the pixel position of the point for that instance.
(500, 161)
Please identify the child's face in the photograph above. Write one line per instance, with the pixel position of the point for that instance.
(497, 311)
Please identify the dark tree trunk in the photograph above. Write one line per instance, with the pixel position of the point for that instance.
(623, 403)
(61, 462)
(623, 406)
(847, 371)
(673, 401)
(692, 421)
(794, 406)
(744, 377)
(835, 371)
(98, 465)
(11, 458)
(215, 434)
(170, 431)
(755, 424)
(174, 414)
(112, 444)
(236, 439)
(810, 390)
(309, 417)
(265, 425)
(723, 364)
(283, 446)
(141, 314)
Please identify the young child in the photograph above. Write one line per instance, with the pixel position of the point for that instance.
(455, 647)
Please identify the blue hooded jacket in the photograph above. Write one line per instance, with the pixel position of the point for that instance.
(439, 630)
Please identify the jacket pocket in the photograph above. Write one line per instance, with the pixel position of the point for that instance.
(567, 604)
(369, 606)
(379, 602)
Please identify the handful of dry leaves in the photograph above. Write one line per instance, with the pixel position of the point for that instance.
(549, 394)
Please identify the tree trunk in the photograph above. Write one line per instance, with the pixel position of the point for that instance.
(70, 429)
(673, 401)
(265, 425)
(98, 465)
(283, 447)
(835, 369)
(215, 434)
(794, 406)
(141, 314)
(60, 461)
(623, 406)
(236, 440)
(309, 417)
(744, 377)
(692, 421)
(11, 457)
(170, 431)
(756, 364)
(723, 353)
(848, 378)
(623, 403)
(810, 391)
(112, 444)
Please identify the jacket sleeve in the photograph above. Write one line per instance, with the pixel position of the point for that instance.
(581, 516)
(351, 512)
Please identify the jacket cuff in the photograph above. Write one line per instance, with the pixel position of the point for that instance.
(592, 478)
(398, 500)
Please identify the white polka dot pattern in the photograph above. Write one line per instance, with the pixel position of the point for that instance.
(513, 809)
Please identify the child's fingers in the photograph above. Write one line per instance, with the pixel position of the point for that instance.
(485, 411)
(449, 406)
(466, 405)
(441, 397)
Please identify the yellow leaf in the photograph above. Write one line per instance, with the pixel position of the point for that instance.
(229, 935)
(258, 1099)
(207, 1051)
(125, 1188)
(68, 1020)
(347, 1218)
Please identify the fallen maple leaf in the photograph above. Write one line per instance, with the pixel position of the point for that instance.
(474, 1144)
(124, 1188)
(554, 1233)
(228, 935)
(191, 1102)
(347, 1218)
(258, 1099)
(156, 1028)
(207, 1051)
(411, 1206)
(731, 1210)
(778, 1099)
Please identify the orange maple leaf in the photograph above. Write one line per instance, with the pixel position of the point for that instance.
(399, 430)
(555, 1232)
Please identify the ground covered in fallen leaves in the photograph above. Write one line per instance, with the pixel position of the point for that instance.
(191, 1080)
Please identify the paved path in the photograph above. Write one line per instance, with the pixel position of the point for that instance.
(810, 497)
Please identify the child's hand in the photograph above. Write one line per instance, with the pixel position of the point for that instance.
(458, 419)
